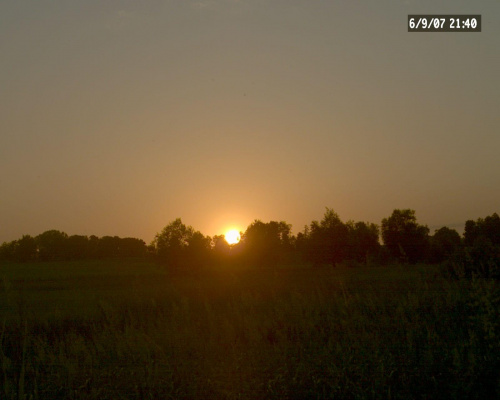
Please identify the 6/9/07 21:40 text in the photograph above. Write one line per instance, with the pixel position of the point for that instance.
(444, 23)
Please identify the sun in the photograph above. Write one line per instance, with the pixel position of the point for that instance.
(232, 236)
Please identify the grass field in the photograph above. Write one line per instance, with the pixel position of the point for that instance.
(129, 330)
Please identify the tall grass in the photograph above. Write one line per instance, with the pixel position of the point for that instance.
(365, 333)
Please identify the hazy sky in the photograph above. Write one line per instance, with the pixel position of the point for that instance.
(117, 117)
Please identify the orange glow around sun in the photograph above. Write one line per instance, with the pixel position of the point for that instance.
(232, 236)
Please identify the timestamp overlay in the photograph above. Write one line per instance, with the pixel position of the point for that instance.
(444, 23)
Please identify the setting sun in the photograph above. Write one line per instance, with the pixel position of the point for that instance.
(232, 236)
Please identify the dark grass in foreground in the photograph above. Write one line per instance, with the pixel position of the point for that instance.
(109, 330)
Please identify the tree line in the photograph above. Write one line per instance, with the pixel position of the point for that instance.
(54, 245)
(332, 241)
(329, 241)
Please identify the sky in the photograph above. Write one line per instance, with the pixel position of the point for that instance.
(118, 117)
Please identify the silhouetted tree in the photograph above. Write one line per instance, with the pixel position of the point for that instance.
(172, 242)
(266, 243)
(221, 249)
(405, 239)
(77, 247)
(443, 244)
(21, 250)
(488, 228)
(363, 241)
(93, 246)
(26, 249)
(481, 255)
(329, 239)
(7, 251)
(198, 250)
(52, 245)
(470, 233)
(132, 247)
(302, 242)
(108, 247)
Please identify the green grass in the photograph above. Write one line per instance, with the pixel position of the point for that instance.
(110, 330)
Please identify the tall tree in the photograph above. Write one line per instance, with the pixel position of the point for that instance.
(404, 237)
(482, 247)
(488, 228)
(7, 250)
(175, 243)
(77, 247)
(24, 249)
(52, 245)
(198, 250)
(363, 240)
(443, 244)
(329, 239)
(221, 249)
(302, 242)
(266, 243)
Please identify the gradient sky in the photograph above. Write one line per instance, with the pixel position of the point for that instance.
(116, 117)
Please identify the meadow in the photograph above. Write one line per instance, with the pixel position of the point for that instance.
(131, 330)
